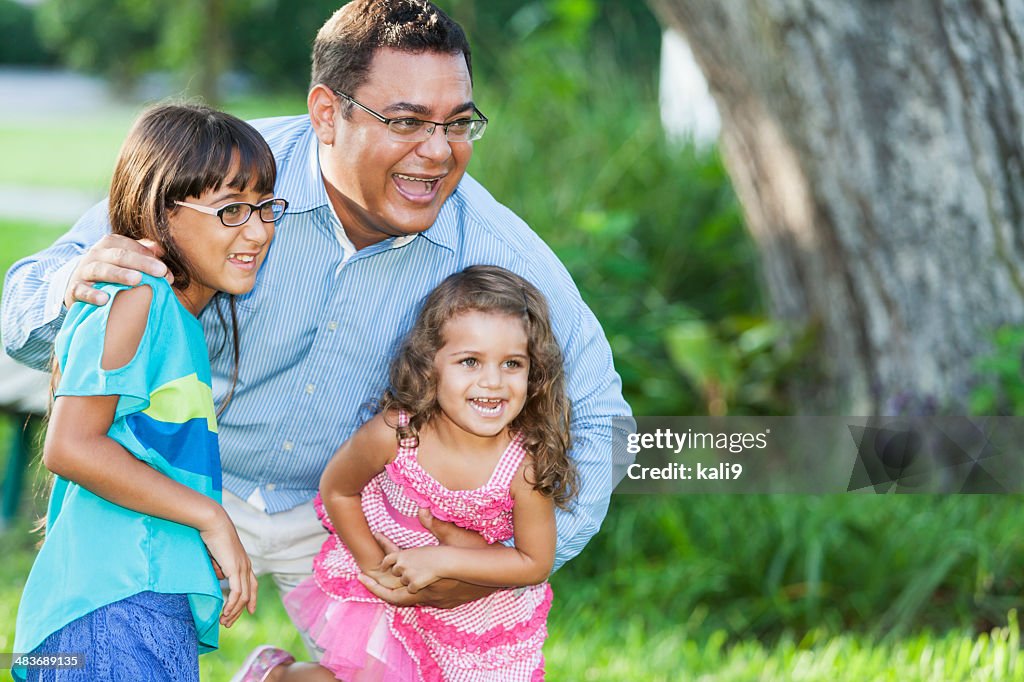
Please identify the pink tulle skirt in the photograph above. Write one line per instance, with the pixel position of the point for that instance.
(355, 635)
(366, 640)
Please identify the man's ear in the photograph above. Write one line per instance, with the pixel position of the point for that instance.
(323, 107)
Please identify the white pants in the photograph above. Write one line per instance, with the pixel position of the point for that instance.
(282, 545)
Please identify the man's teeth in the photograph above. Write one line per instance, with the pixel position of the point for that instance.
(429, 182)
(243, 257)
(409, 177)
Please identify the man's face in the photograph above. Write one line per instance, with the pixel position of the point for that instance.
(386, 188)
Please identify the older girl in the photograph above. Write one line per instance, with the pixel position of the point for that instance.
(127, 577)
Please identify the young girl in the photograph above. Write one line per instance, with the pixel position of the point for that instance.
(124, 578)
(475, 429)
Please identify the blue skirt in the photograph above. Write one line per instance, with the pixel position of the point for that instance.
(148, 637)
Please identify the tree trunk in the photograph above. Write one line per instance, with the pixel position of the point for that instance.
(212, 51)
(876, 148)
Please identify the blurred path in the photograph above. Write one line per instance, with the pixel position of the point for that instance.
(48, 96)
(45, 204)
(34, 94)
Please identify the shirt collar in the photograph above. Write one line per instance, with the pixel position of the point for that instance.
(299, 178)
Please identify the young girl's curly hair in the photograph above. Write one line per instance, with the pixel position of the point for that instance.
(544, 420)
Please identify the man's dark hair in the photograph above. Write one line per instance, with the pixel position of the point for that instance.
(346, 44)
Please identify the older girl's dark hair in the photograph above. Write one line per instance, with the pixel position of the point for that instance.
(176, 151)
(172, 153)
(544, 420)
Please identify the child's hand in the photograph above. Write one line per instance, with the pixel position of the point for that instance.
(416, 568)
(227, 554)
(384, 578)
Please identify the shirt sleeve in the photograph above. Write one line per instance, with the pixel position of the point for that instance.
(80, 350)
(598, 409)
(32, 308)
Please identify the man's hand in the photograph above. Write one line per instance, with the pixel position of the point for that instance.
(114, 259)
(448, 533)
(443, 594)
(384, 578)
(417, 568)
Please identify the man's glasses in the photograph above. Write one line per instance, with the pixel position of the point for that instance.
(238, 212)
(418, 130)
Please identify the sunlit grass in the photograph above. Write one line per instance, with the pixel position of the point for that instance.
(79, 152)
(74, 154)
(19, 238)
(608, 648)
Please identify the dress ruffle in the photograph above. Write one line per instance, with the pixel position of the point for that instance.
(366, 639)
(485, 510)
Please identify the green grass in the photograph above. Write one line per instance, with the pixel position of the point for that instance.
(19, 238)
(75, 154)
(80, 153)
(605, 651)
(606, 647)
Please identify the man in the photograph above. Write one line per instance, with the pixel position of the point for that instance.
(380, 211)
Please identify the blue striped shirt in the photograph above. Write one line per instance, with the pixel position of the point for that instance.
(320, 326)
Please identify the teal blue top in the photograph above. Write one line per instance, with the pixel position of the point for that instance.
(96, 552)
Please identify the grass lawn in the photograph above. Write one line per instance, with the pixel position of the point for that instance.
(20, 238)
(591, 642)
(77, 155)
(80, 153)
(596, 648)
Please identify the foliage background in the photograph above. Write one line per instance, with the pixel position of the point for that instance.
(744, 588)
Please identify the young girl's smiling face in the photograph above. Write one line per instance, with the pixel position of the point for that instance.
(221, 258)
(482, 372)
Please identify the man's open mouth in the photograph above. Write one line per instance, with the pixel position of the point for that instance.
(414, 186)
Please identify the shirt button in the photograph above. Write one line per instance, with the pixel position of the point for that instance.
(332, 325)
(288, 445)
(310, 388)
(271, 487)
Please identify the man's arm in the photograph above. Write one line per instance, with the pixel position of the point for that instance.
(595, 391)
(38, 289)
(528, 562)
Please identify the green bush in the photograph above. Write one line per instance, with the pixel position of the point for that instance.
(280, 58)
(20, 44)
(651, 232)
(272, 41)
(768, 565)
(999, 387)
(117, 38)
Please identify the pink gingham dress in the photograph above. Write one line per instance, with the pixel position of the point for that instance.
(495, 639)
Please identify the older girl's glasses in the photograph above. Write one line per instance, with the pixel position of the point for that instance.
(238, 212)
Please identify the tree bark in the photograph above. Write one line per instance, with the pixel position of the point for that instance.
(212, 51)
(876, 148)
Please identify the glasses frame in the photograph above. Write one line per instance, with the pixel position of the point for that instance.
(397, 137)
(253, 208)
